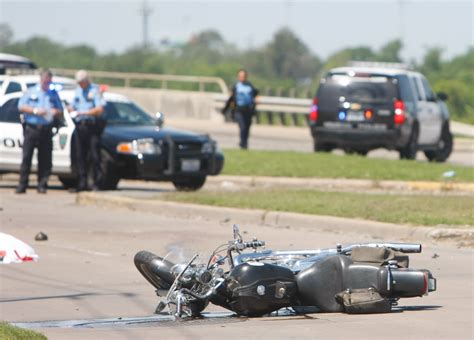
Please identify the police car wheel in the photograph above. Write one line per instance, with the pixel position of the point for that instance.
(189, 184)
(110, 179)
(68, 182)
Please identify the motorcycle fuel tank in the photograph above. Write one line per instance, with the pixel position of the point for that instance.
(259, 288)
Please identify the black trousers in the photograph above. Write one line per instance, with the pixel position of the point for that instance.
(243, 117)
(87, 149)
(39, 137)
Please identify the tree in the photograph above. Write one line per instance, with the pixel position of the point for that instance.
(390, 52)
(6, 35)
(290, 57)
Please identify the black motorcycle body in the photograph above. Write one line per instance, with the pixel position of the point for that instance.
(359, 278)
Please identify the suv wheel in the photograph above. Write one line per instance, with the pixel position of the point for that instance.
(360, 152)
(189, 184)
(410, 150)
(445, 146)
(322, 147)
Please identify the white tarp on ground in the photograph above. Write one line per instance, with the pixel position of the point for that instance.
(13, 250)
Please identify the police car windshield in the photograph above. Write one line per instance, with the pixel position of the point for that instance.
(127, 114)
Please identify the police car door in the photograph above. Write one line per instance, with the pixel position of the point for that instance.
(422, 111)
(434, 113)
(11, 135)
(62, 145)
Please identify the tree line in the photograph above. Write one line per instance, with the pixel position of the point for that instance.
(285, 65)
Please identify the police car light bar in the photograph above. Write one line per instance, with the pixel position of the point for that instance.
(380, 64)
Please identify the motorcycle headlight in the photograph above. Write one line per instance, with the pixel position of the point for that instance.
(210, 147)
(142, 146)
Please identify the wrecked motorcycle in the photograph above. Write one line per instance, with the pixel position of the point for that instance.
(357, 278)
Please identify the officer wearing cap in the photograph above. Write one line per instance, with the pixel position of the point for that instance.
(86, 109)
(243, 99)
(39, 106)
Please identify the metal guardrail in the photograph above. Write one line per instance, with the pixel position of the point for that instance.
(128, 77)
(281, 110)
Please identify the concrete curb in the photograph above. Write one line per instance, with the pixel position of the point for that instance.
(447, 187)
(277, 219)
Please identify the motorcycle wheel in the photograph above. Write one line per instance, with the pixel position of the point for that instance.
(155, 269)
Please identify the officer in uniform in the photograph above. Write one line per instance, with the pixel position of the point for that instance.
(40, 106)
(86, 109)
(243, 99)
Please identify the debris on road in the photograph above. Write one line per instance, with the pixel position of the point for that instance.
(41, 236)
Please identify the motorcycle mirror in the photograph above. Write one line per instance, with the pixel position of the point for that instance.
(236, 231)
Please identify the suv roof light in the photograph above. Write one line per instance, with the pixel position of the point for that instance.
(374, 64)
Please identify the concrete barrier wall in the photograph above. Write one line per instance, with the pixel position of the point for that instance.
(207, 105)
(174, 104)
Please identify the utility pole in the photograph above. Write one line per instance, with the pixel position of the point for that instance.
(401, 23)
(145, 12)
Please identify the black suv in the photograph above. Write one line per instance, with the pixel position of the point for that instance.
(361, 108)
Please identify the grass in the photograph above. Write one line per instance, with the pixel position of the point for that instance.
(324, 165)
(9, 332)
(404, 209)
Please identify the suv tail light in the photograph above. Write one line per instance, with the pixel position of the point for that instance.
(399, 117)
(313, 115)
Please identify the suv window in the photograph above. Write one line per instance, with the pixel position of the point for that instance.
(13, 87)
(406, 91)
(430, 96)
(373, 89)
(9, 112)
(415, 89)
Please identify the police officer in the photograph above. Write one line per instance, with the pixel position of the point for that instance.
(39, 106)
(86, 110)
(243, 98)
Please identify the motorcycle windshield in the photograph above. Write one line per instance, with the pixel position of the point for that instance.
(180, 258)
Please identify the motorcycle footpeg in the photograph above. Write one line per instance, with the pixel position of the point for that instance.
(161, 306)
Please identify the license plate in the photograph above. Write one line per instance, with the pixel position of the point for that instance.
(190, 165)
(355, 116)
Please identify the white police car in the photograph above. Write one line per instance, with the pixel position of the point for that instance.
(134, 146)
(20, 83)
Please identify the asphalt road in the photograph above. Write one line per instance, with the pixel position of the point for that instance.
(86, 271)
(265, 137)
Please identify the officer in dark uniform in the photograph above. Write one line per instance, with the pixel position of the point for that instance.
(40, 106)
(86, 110)
(243, 99)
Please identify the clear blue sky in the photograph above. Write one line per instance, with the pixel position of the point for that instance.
(325, 26)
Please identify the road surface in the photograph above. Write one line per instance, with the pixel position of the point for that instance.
(86, 271)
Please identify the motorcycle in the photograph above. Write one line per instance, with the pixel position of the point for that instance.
(357, 278)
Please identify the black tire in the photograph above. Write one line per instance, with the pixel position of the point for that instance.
(68, 182)
(445, 146)
(189, 184)
(360, 152)
(153, 268)
(411, 149)
(110, 177)
(322, 147)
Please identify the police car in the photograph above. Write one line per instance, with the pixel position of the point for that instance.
(371, 105)
(20, 83)
(134, 146)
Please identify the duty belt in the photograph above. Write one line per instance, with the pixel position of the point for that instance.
(38, 126)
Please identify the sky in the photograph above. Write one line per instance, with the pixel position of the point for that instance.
(325, 26)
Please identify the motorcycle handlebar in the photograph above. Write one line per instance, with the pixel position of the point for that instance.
(254, 244)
